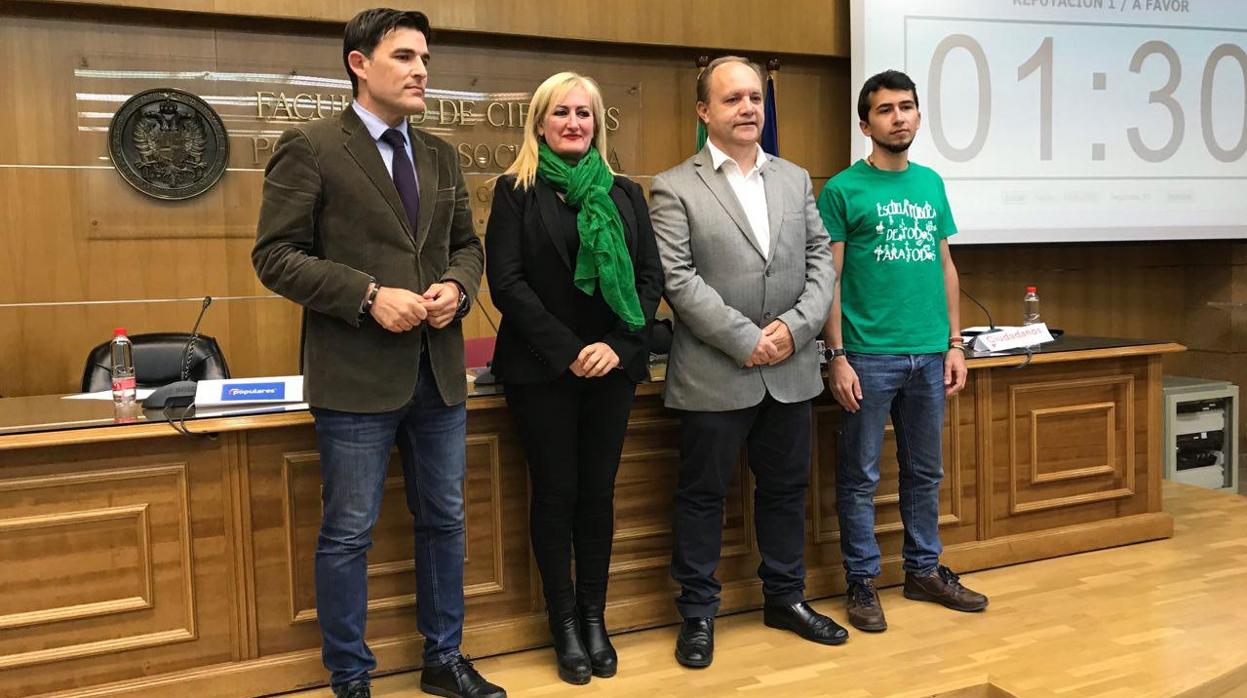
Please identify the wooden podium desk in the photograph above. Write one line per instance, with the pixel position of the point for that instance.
(137, 561)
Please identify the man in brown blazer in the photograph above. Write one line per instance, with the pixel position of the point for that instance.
(365, 223)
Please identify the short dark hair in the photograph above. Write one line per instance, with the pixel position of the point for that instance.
(703, 80)
(368, 28)
(888, 79)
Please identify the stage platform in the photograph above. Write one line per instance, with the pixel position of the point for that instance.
(1158, 619)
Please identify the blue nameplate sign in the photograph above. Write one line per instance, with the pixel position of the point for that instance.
(252, 392)
(241, 391)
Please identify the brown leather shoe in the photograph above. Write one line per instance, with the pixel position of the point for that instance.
(943, 587)
(865, 611)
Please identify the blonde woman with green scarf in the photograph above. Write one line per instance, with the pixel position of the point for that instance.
(573, 267)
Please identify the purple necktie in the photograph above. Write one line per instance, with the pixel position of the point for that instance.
(404, 177)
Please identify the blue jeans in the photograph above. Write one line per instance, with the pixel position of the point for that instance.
(354, 452)
(911, 389)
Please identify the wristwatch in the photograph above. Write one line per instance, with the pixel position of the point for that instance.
(366, 306)
(831, 354)
(465, 303)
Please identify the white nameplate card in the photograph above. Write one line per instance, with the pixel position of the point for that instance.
(1013, 338)
(249, 391)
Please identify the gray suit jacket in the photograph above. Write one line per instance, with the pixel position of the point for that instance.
(725, 289)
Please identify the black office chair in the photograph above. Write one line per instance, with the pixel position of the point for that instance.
(157, 361)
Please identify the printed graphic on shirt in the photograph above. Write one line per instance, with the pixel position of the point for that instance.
(906, 232)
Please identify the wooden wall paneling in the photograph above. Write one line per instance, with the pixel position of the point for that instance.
(252, 503)
(125, 567)
(48, 346)
(1089, 433)
(1192, 292)
(822, 28)
(81, 225)
(981, 383)
(96, 239)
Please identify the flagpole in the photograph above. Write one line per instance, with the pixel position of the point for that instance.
(699, 135)
(770, 128)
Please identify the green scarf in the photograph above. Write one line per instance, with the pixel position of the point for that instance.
(603, 257)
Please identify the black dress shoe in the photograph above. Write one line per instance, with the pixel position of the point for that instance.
(694, 647)
(602, 656)
(458, 679)
(569, 649)
(804, 621)
(355, 689)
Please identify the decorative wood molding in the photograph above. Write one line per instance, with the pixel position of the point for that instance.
(95, 649)
(241, 541)
(142, 534)
(498, 584)
(983, 441)
(1122, 382)
(69, 482)
(1110, 411)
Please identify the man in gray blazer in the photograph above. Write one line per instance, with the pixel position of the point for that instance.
(748, 271)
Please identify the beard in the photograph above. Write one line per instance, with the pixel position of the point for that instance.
(898, 147)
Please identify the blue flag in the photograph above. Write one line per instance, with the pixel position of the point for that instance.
(770, 128)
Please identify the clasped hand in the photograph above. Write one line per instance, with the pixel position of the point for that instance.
(595, 361)
(774, 346)
(400, 310)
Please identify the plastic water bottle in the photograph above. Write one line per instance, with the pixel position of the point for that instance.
(1030, 307)
(124, 383)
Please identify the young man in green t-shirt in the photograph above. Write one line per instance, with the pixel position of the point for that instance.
(893, 351)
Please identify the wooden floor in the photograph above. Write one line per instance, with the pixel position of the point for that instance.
(1167, 618)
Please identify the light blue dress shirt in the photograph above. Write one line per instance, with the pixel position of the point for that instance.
(376, 127)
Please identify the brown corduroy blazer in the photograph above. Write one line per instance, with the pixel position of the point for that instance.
(330, 221)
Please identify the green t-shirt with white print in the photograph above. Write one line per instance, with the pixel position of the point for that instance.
(892, 281)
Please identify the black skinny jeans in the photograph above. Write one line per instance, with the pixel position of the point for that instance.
(573, 430)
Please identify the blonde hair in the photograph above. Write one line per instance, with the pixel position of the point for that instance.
(547, 95)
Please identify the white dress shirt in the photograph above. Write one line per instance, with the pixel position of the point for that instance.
(749, 191)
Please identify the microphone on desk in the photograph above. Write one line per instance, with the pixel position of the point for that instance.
(190, 343)
(180, 393)
(991, 324)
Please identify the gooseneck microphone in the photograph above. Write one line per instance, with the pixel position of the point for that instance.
(180, 393)
(190, 343)
(991, 324)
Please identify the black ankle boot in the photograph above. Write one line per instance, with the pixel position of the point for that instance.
(573, 660)
(602, 655)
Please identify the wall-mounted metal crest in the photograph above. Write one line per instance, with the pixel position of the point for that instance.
(168, 144)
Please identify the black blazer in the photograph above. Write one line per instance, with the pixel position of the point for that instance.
(530, 281)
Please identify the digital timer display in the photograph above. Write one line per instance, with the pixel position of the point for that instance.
(1073, 120)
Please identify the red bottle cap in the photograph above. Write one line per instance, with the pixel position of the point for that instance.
(119, 331)
(1030, 289)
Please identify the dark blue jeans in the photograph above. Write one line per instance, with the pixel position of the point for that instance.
(354, 451)
(911, 389)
